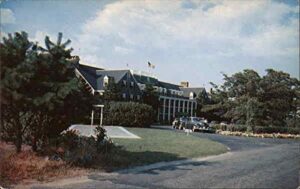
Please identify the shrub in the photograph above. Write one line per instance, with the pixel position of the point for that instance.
(82, 151)
(130, 114)
(239, 128)
(103, 143)
(257, 129)
(272, 129)
(293, 130)
(216, 126)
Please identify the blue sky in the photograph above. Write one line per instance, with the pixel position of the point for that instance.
(186, 40)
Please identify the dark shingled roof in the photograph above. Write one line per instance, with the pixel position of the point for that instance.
(187, 91)
(116, 74)
(94, 76)
(169, 86)
(89, 74)
(145, 80)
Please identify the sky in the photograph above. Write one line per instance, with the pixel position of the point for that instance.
(192, 40)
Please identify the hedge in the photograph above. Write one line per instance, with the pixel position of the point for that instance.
(130, 114)
(270, 129)
(232, 128)
(257, 129)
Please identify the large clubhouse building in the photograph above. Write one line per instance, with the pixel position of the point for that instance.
(174, 100)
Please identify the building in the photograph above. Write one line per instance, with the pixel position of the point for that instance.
(174, 100)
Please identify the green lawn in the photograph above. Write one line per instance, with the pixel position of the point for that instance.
(159, 145)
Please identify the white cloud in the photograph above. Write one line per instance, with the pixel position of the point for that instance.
(7, 16)
(214, 31)
(122, 50)
(39, 37)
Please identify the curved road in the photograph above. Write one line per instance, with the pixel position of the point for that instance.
(252, 163)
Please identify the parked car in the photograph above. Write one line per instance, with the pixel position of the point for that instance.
(182, 122)
(198, 124)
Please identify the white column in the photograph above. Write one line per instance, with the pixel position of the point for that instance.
(164, 108)
(192, 105)
(101, 116)
(92, 118)
(158, 110)
(174, 108)
(188, 106)
(169, 110)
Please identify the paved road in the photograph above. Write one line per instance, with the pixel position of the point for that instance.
(252, 163)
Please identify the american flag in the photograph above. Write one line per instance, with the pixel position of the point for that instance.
(151, 65)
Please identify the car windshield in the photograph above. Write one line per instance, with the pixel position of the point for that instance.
(196, 119)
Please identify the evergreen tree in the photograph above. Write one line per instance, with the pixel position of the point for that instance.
(16, 53)
(40, 94)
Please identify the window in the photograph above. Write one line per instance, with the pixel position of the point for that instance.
(124, 95)
(132, 84)
(142, 86)
(138, 97)
(105, 81)
(191, 95)
(131, 96)
(124, 82)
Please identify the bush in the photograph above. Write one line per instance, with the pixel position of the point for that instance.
(293, 130)
(239, 128)
(129, 114)
(272, 129)
(220, 127)
(257, 129)
(82, 151)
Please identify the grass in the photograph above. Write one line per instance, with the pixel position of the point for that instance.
(154, 146)
(159, 145)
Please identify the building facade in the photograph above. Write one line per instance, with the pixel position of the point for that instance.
(174, 100)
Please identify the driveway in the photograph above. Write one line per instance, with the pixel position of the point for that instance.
(252, 163)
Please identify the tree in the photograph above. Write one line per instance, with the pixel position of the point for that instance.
(59, 97)
(112, 92)
(16, 53)
(40, 94)
(279, 94)
(202, 100)
(247, 98)
(150, 97)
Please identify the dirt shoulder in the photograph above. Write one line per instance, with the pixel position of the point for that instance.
(28, 167)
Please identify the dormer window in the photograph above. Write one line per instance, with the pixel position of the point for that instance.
(132, 84)
(191, 95)
(105, 81)
(124, 82)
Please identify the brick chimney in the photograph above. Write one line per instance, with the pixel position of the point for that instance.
(184, 84)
